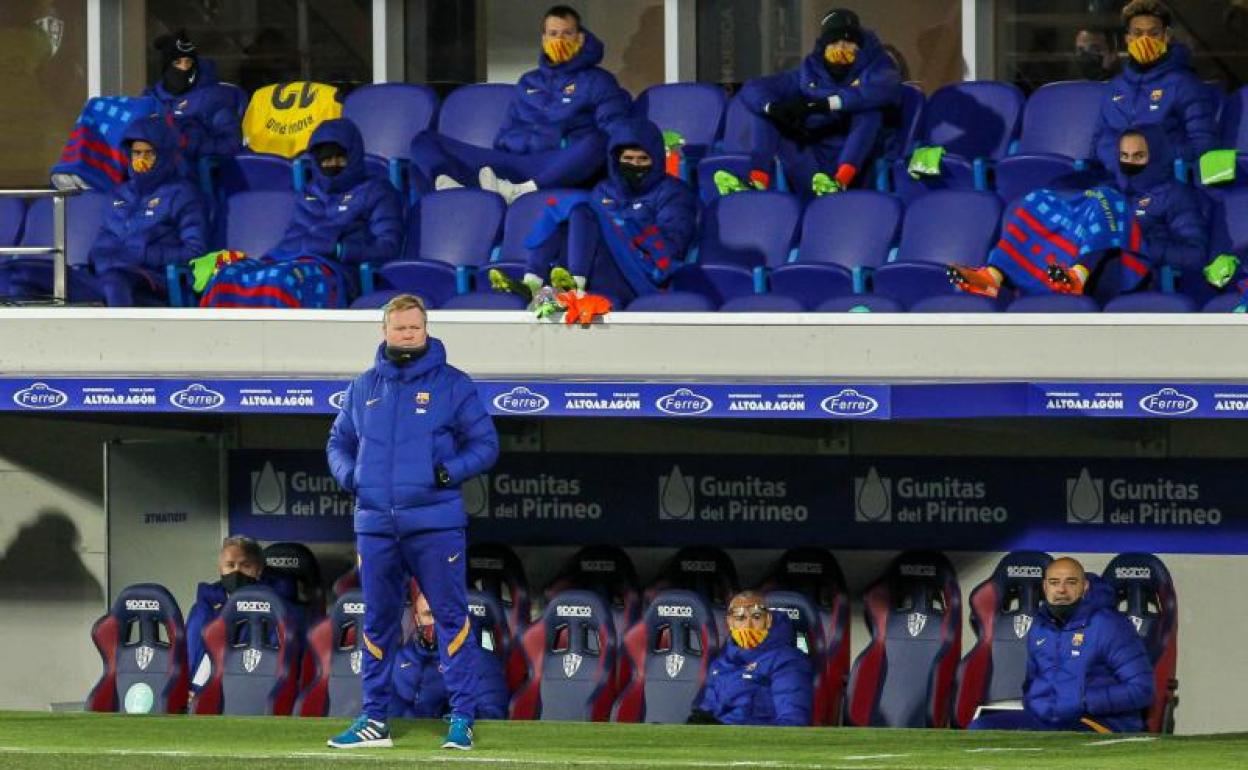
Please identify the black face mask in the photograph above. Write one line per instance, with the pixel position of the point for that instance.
(1062, 612)
(1090, 64)
(402, 356)
(236, 580)
(178, 82)
(1131, 169)
(634, 175)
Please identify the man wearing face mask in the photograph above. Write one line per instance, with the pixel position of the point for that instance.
(830, 111)
(625, 238)
(556, 127)
(344, 217)
(1095, 58)
(240, 564)
(1087, 669)
(204, 112)
(411, 430)
(419, 687)
(1156, 87)
(760, 677)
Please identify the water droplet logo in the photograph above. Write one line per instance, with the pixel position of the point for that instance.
(268, 492)
(1168, 401)
(873, 497)
(338, 399)
(849, 403)
(521, 400)
(476, 494)
(197, 397)
(676, 500)
(1085, 499)
(40, 395)
(683, 401)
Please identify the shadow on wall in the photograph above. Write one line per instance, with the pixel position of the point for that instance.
(43, 562)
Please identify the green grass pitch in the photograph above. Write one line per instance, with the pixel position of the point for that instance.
(43, 740)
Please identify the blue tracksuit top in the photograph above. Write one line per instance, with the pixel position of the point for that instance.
(1094, 666)
(210, 599)
(771, 684)
(1172, 218)
(395, 425)
(871, 85)
(353, 217)
(558, 102)
(157, 218)
(206, 115)
(1168, 94)
(420, 689)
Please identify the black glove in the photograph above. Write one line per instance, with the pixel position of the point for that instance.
(442, 476)
(700, 717)
(789, 113)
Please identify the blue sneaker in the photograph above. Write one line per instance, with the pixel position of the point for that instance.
(460, 735)
(365, 733)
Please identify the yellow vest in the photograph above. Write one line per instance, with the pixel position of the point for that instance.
(280, 118)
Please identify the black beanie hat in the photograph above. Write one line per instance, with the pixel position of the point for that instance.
(840, 24)
(174, 47)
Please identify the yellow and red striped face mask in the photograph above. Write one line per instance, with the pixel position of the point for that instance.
(560, 50)
(748, 638)
(839, 57)
(1146, 50)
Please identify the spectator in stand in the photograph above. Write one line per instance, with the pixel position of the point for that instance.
(556, 130)
(1095, 56)
(204, 112)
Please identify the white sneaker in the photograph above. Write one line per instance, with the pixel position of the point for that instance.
(488, 180)
(444, 182)
(523, 188)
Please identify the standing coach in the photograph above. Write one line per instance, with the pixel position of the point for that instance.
(410, 431)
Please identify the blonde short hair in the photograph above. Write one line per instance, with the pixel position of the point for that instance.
(403, 302)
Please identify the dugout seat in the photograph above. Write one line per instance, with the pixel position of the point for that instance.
(1059, 125)
(670, 651)
(748, 142)
(1147, 597)
(814, 573)
(1002, 609)
(475, 113)
(570, 654)
(296, 562)
(494, 635)
(512, 256)
(708, 572)
(693, 110)
(142, 643)
(904, 677)
(255, 653)
(336, 646)
(608, 571)
(827, 662)
(495, 569)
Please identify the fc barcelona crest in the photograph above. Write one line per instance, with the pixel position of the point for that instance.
(251, 659)
(1022, 624)
(357, 661)
(915, 623)
(571, 664)
(143, 655)
(674, 663)
(1156, 94)
(422, 398)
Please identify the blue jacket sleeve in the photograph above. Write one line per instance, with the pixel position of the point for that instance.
(1187, 241)
(1105, 140)
(611, 103)
(106, 250)
(511, 135)
(863, 128)
(191, 226)
(880, 88)
(344, 444)
(677, 219)
(759, 92)
(709, 702)
(476, 441)
(378, 242)
(792, 691)
(1125, 655)
(1198, 113)
(224, 131)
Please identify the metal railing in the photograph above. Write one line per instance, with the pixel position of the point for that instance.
(60, 265)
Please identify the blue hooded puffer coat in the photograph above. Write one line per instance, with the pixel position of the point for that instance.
(420, 689)
(206, 115)
(771, 684)
(1172, 218)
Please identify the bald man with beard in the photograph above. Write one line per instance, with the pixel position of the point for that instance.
(1087, 670)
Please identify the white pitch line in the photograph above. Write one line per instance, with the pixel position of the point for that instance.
(1137, 739)
(999, 748)
(862, 757)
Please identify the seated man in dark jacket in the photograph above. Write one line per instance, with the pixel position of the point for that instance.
(625, 237)
(419, 687)
(759, 677)
(830, 111)
(556, 128)
(1087, 669)
(203, 111)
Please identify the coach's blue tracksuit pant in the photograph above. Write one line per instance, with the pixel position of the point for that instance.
(436, 558)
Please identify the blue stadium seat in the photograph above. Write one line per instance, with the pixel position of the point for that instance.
(12, 216)
(1059, 124)
(904, 677)
(669, 651)
(31, 276)
(1055, 303)
(746, 138)
(956, 303)
(1228, 234)
(940, 228)
(450, 233)
(484, 301)
(1146, 595)
(389, 115)
(672, 302)
(495, 570)
(475, 113)
(249, 172)
(607, 571)
(1002, 610)
(740, 234)
(762, 303)
(571, 658)
(1223, 303)
(844, 238)
(1151, 302)
(975, 122)
(851, 302)
(708, 572)
(522, 215)
(297, 563)
(336, 648)
(694, 110)
(254, 221)
(142, 644)
(378, 299)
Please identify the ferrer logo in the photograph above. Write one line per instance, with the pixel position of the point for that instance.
(572, 611)
(142, 605)
(683, 401)
(1168, 401)
(197, 397)
(40, 395)
(674, 611)
(521, 400)
(849, 403)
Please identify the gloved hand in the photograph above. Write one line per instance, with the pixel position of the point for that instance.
(700, 717)
(788, 114)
